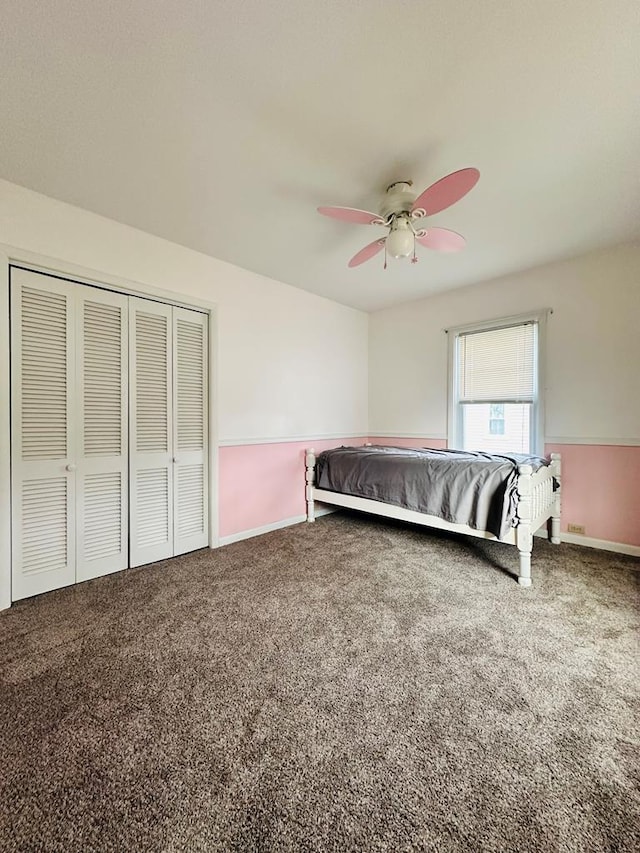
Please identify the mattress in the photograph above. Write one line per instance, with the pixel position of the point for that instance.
(463, 487)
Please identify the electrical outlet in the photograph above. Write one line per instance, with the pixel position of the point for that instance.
(576, 528)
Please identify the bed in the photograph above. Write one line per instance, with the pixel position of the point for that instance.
(505, 498)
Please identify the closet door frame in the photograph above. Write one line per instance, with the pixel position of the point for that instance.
(19, 257)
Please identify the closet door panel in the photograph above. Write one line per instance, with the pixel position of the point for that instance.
(190, 406)
(43, 436)
(151, 431)
(102, 474)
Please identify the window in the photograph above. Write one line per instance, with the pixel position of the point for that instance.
(496, 419)
(495, 401)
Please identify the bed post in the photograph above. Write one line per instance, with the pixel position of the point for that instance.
(310, 464)
(524, 533)
(556, 470)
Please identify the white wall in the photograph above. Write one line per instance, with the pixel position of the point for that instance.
(593, 349)
(272, 381)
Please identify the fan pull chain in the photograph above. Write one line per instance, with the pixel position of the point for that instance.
(385, 257)
(414, 259)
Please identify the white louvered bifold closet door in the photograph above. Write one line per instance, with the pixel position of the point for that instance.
(109, 427)
(150, 431)
(190, 509)
(102, 398)
(42, 427)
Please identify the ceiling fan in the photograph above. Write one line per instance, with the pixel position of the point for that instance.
(400, 212)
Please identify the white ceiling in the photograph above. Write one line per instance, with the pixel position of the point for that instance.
(222, 124)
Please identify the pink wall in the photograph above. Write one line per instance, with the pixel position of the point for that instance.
(261, 484)
(600, 486)
(601, 490)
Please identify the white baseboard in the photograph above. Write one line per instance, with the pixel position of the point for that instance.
(603, 544)
(570, 538)
(588, 542)
(267, 528)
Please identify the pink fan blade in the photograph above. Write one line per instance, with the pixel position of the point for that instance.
(442, 240)
(446, 191)
(350, 214)
(366, 253)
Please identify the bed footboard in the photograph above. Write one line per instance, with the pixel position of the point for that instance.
(556, 472)
(310, 473)
(538, 504)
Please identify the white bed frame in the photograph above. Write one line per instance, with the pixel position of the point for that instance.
(537, 504)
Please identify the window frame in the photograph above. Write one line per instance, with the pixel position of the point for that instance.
(454, 419)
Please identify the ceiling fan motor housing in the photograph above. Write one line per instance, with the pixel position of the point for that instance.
(399, 198)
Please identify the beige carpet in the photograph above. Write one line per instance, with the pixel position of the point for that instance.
(343, 686)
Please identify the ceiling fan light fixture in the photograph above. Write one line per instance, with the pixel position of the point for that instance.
(400, 240)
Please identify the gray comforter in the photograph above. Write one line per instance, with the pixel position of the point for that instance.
(463, 487)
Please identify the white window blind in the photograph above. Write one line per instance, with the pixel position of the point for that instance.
(497, 365)
(495, 392)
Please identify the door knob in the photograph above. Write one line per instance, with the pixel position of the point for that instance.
(71, 466)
